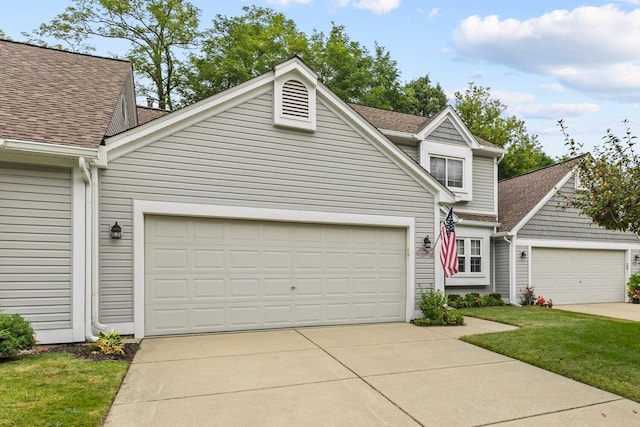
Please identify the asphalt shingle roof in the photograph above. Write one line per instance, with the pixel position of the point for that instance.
(400, 122)
(146, 114)
(57, 97)
(517, 196)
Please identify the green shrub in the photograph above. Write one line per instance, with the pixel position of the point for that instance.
(110, 343)
(434, 309)
(474, 299)
(16, 334)
(634, 284)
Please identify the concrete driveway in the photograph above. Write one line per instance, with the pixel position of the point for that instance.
(385, 374)
(617, 310)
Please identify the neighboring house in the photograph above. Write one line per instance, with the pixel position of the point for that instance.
(272, 204)
(545, 244)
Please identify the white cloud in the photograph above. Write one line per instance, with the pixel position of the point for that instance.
(557, 87)
(379, 7)
(340, 3)
(554, 111)
(590, 49)
(434, 12)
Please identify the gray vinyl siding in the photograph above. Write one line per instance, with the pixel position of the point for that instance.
(483, 185)
(447, 132)
(463, 290)
(411, 150)
(502, 273)
(552, 222)
(635, 265)
(124, 115)
(35, 244)
(238, 158)
(522, 271)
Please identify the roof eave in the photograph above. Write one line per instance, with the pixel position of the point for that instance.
(46, 149)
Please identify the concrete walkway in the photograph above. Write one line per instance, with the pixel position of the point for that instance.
(616, 310)
(385, 374)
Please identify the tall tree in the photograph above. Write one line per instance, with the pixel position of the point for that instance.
(424, 99)
(155, 29)
(484, 116)
(236, 49)
(609, 181)
(3, 35)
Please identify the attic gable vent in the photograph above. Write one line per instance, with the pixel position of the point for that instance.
(295, 96)
(295, 99)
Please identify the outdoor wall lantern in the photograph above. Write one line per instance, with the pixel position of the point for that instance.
(636, 258)
(523, 254)
(427, 243)
(116, 231)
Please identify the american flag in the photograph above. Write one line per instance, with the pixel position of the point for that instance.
(448, 250)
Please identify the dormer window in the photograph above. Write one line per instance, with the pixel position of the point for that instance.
(295, 97)
(448, 171)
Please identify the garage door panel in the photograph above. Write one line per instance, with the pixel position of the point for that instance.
(235, 274)
(574, 276)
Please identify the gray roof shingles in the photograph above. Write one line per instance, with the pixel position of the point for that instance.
(517, 196)
(147, 114)
(57, 97)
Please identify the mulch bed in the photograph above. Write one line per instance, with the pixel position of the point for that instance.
(86, 351)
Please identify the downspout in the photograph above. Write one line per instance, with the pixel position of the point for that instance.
(86, 176)
(95, 272)
(511, 267)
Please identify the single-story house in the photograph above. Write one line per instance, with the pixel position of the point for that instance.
(273, 204)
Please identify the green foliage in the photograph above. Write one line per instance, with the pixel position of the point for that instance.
(110, 343)
(485, 118)
(610, 181)
(434, 309)
(15, 334)
(633, 285)
(474, 299)
(528, 297)
(238, 48)
(155, 29)
(3, 35)
(424, 99)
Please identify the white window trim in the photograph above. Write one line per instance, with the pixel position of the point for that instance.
(430, 149)
(467, 246)
(474, 279)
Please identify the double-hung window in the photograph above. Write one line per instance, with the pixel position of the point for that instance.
(447, 171)
(469, 255)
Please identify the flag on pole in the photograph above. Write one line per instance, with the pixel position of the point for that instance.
(448, 250)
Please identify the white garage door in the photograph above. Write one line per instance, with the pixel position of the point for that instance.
(574, 276)
(205, 275)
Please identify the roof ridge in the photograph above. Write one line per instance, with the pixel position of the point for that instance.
(63, 51)
(543, 168)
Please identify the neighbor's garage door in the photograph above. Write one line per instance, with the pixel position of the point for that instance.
(574, 276)
(204, 275)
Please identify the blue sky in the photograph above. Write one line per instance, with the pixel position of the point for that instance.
(547, 60)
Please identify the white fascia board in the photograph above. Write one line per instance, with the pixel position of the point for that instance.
(296, 66)
(387, 147)
(404, 136)
(138, 137)
(45, 149)
(578, 244)
(462, 221)
(493, 151)
(541, 203)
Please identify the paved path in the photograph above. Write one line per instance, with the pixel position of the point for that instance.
(617, 310)
(372, 375)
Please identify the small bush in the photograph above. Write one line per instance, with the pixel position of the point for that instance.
(474, 299)
(528, 297)
(434, 309)
(16, 334)
(110, 343)
(634, 284)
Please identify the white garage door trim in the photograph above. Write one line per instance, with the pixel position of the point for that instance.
(145, 207)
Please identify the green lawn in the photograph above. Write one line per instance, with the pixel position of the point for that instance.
(594, 350)
(57, 389)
